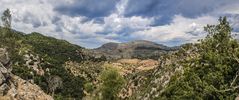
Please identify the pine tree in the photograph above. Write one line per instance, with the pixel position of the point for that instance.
(7, 19)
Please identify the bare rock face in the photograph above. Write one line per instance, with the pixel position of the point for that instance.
(33, 62)
(13, 87)
(4, 73)
(24, 90)
(4, 59)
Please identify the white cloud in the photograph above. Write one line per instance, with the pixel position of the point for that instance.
(186, 29)
(121, 6)
(116, 23)
(76, 25)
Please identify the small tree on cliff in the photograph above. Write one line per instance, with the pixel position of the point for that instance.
(7, 19)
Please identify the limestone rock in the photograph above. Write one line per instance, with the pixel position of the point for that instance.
(2, 79)
(25, 90)
(3, 89)
(13, 87)
(4, 58)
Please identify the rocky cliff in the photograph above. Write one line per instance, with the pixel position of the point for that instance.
(13, 87)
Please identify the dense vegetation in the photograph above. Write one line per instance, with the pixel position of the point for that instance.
(213, 73)
(112, 82)
(53, 53)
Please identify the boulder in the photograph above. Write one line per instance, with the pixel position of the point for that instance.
(2, 78)
(4, 58)
(3, 89)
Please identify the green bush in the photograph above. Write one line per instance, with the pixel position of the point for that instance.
(112, 83)
(213, 74)
(89, 87)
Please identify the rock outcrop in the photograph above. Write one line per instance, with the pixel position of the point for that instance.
(34, 62)
(13, 87)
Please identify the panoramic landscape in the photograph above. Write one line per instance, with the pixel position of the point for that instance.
(119, 50)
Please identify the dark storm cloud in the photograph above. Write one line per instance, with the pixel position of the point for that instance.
(88, 8)
(188, 8)
(166, 9)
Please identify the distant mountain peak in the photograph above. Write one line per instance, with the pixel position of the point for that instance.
(110, 45)
(132, 49)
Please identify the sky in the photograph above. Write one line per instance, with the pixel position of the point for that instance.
(91, 23)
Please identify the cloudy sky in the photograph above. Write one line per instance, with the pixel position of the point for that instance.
(91, 23)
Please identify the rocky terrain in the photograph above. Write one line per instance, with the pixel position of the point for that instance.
(135, 49)
(145, 79)
(12, 87)
(35, 59)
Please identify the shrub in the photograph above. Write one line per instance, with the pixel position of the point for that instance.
(112, 83)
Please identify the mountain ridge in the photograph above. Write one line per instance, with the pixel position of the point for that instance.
(142, 49)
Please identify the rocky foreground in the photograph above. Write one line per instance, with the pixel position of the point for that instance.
(13, 87)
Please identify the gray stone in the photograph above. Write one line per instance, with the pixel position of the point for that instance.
(3, 89)
(4, 58)
(2, 78)
(3, 69)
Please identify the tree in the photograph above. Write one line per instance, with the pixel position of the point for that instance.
(54, 82)
(7, 19)
(112, 83)
(214, 72)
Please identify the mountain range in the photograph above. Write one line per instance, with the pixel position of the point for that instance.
(141, 49)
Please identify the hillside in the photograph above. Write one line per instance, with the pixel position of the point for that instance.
(13, 87)
(37, 57)
(135, 49)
